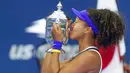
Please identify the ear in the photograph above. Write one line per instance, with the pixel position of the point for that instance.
(87, 30)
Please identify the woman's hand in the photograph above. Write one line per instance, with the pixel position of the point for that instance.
(67, 29)
(57, 32)
(127, 68)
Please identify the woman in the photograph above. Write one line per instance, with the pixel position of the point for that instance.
(100, 26)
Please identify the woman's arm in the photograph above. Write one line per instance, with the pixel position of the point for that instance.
(85, 62)
(126, 68)
(62, 64)
(54, 65)
(46, 62)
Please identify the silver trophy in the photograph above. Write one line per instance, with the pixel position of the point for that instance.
(59, 18)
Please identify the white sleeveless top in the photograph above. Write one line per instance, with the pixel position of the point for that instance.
(90, 48)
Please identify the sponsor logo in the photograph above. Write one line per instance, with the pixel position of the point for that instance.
(38, 28)
(28, 51)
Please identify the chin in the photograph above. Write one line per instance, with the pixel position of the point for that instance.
(72, 37)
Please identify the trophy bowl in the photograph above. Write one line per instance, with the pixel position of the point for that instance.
(59, 18)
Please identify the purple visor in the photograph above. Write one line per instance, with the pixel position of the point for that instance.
(84, 16)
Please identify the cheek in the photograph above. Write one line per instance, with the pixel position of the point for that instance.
(78, 27)
(76, 33)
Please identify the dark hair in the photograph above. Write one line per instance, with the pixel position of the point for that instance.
(110, 25)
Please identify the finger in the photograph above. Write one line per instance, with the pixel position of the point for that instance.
(66, 32)
(54, 27)
(59, 27)
(67, 26)
(53, 34)
(68, 23)
(66, 38)
(54, 30)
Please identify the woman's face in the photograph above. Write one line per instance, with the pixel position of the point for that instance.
(77, 29)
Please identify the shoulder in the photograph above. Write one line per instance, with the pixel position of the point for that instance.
(86, 61)
(90, 55)
(89, 58)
